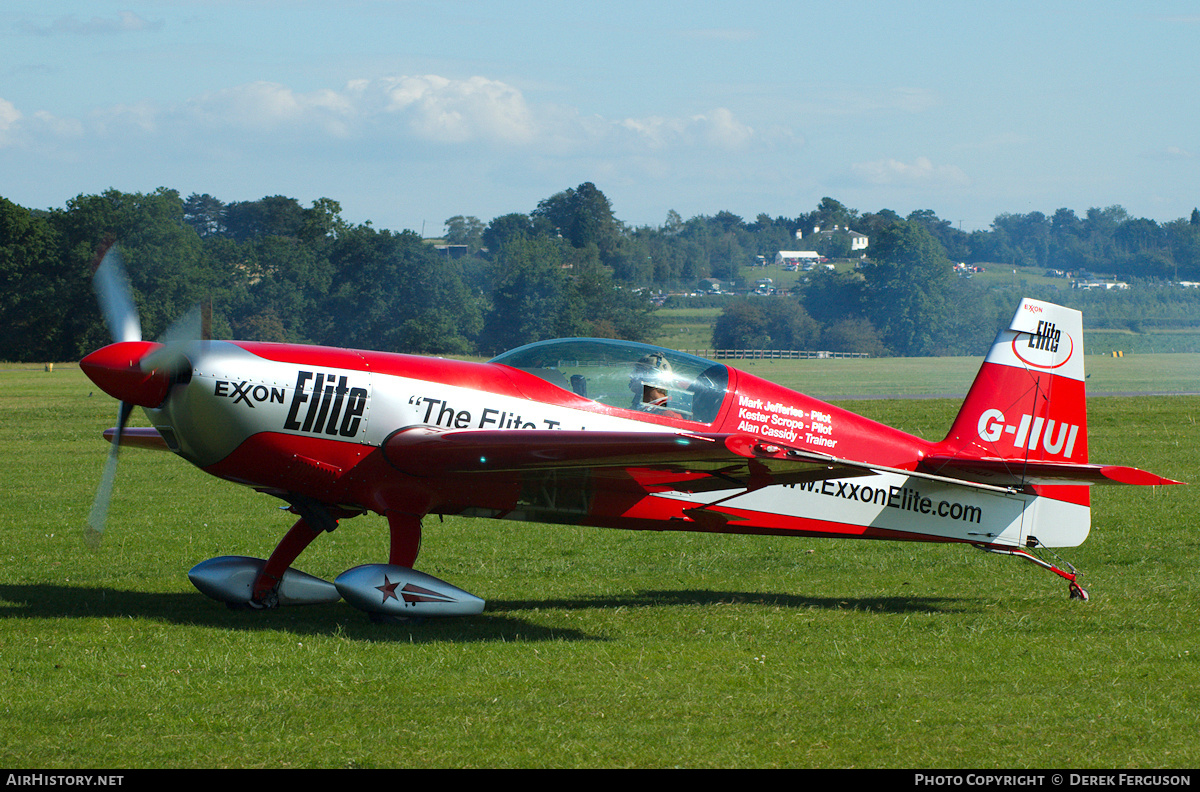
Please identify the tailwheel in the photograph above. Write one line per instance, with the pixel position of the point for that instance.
(1075, 591)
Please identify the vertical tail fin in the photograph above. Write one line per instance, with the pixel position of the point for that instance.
(1024, 421)
(1028, 402)
(1028, 405)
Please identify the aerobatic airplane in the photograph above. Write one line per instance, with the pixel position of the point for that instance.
(594, 432)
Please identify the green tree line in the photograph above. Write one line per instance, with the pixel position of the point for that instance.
(275, 270)
(904, 299)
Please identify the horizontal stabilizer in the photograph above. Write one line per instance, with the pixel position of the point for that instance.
(1015, 473)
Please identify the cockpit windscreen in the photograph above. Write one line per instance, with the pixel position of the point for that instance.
(628, 375)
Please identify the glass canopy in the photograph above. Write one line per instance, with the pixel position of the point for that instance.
(624, 374)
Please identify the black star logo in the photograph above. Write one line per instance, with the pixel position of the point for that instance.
(389, 589)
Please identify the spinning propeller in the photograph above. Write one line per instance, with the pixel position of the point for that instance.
(136, 372)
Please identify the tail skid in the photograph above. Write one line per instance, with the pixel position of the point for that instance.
(1076, 591)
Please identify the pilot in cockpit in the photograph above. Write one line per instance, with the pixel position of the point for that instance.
(651, 377)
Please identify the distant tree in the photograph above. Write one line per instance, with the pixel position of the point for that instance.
(205, 214)
(1183, 238)
(1138, 235)
(467, 231)
(390, 291)
(1100, 227)
(163, 255)
(673, 223)
(765, 323)
(275, 287)
(907, 281)
(872, 223)
(36, 289)
(728, 221)
(323, 221)
(505, 229)
(853, 335)
(1027, 238)
(762, 221)
(275, 215)
(954, 241)
(741, 325)
(834, 245)
(830, 297)
(830, 213)
(596, 305)
(528, 294)
(583, 216)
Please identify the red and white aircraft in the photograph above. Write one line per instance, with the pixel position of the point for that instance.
(595, 432)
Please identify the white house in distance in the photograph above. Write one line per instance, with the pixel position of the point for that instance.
(857, 241)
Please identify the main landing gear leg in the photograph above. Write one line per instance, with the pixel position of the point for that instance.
(314, 520)
(405, 529)
(1074, 590)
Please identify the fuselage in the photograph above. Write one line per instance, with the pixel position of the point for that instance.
(293, 419)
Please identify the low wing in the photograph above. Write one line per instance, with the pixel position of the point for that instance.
(693, 462)
(703, 462)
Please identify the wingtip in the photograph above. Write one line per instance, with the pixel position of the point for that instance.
(1131, 475)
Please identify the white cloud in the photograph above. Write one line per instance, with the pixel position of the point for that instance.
(1172, 153)
(267, 106)
(921, 172)
(845, 101)
(438, 110)
(442, 110)
(16, 128)
(721, 129)
(125, 22)
(718, 129)
(912, 100)
(142, 118)
(9, 116)
(400, 125)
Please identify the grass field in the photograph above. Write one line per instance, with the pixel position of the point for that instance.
(597, 648)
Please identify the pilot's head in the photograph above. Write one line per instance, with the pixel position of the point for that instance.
(651, 377)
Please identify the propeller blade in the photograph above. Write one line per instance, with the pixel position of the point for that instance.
(170, 356)
(98, 516)
(116, 298)
(185, 328)
(117, 367)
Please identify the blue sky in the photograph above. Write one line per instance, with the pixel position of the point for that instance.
(408, 113)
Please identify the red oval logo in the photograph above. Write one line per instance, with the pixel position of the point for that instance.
(1028, 362)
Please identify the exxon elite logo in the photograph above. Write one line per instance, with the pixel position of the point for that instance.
(1048, 348)
(1046, 338)
(1029, 433)
(330, 406)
